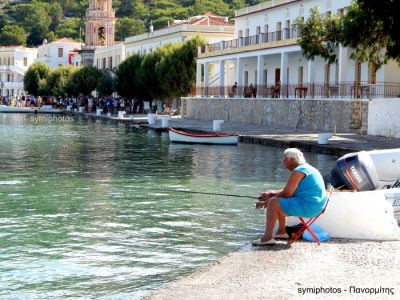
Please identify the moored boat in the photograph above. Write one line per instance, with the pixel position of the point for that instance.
(371, 173)
(368, 215)
(202, 138)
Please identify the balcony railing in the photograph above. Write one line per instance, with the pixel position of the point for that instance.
(318, 90)
(261, 38)
(261, 6)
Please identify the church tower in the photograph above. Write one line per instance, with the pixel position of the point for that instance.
(100, 23)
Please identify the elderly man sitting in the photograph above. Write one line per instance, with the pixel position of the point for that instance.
(304, 196)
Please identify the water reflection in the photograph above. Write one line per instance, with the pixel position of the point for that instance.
(88, 209)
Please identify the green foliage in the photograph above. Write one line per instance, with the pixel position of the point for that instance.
(164, 11)
(147, 74)
(37, 72)
(368, 27)
(70, 28)
(105, 84)
(36, 21)
(12, 35)
(52, 19)
(127, 84)
(83, 81)
(216, 6)
(168, 72)
(126, 27)
(184, 61)
(126, 8)
(57, 80)
(385, 14)
(365, 34)
(320, 35)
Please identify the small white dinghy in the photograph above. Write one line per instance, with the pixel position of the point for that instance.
(202, 138)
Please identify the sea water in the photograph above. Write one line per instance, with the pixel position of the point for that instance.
(92, 209)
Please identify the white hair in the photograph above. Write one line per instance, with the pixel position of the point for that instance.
(296, 154)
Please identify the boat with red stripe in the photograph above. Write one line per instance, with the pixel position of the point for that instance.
(202, 138)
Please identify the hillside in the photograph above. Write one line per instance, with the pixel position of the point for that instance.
(29, 22)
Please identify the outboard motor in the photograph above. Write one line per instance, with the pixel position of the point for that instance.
(354, 171)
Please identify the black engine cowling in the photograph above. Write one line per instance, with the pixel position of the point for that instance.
(354, 171)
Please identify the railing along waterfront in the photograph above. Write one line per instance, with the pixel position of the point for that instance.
(319, 90)
(269, 37)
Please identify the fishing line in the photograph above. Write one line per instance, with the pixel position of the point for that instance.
(202, 193)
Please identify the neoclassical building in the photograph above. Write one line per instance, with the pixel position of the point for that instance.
(59, 52)
(266, 55)
(14, 62)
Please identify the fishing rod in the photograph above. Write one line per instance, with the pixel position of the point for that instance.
(204, 193)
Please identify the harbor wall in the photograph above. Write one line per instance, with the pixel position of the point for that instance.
(384, 117)
(321, 115)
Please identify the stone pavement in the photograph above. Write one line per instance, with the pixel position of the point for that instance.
(338, 145)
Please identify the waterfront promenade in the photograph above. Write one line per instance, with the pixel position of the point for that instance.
(338, 145)
(338, 269)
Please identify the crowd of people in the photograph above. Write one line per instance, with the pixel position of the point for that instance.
(108, 105)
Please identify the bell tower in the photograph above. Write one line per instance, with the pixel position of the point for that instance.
(100, 23)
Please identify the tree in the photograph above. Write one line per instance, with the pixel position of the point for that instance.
(385, 13)
(37, 71)
(54, 11)
(237, 4)
(70, 28)
(368, 27)
(126, 27)
(12, 35)
(147, 76)
(127, 83)
(366, 34)
(83, 81)
(105, 84)
(126, 8)
(35, 20)
(165, 11)
(187, 55)
(216, 6)
(56, 82)
(320, 35)
(161, 71)
(176, 69)
(140, 10)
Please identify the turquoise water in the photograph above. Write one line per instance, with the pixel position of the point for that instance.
(93, 210)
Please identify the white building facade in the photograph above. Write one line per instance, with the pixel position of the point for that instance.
(58, 53)
(14, 62)
(109, 57)
(265, 54)
(148, 42)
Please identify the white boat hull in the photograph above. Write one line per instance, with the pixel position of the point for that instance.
(221, 139)
(387, 164)
(370, 215)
